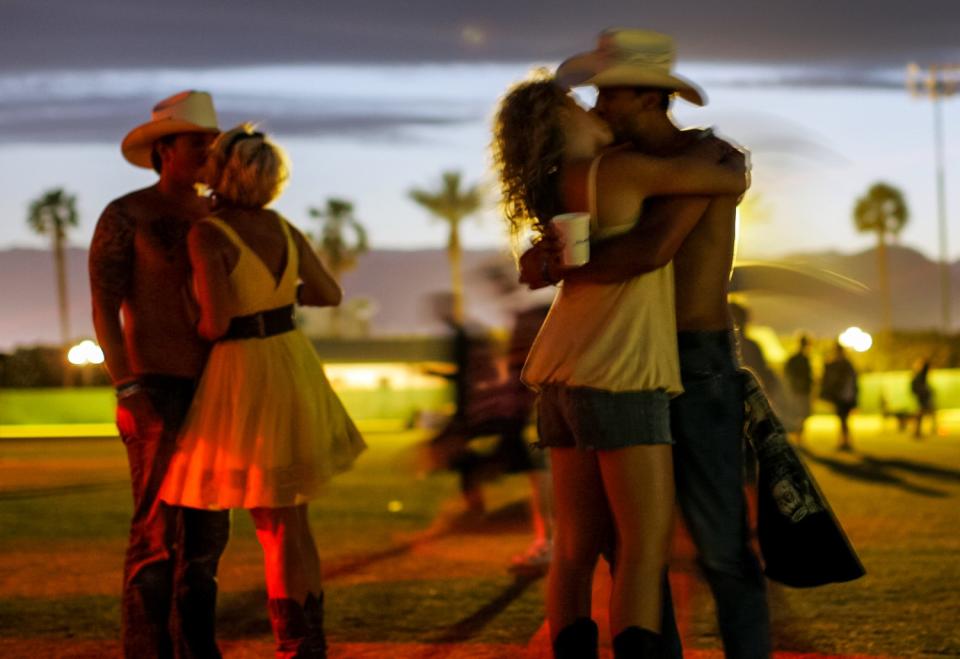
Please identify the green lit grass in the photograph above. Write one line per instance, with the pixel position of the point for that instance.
(95, 405)
(56, 406)
(393, 407)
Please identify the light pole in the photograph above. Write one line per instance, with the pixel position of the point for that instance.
(938, 81)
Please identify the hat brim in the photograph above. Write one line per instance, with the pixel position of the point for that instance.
(137, 146)
(594, 69)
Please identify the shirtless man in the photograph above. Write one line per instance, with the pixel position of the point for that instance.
(707, 419)
(139, 278)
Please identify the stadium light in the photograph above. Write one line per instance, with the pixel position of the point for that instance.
(85, 352)
(855, 339)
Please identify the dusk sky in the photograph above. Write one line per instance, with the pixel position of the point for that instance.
(372, 97)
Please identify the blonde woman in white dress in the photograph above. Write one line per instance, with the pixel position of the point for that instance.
(265, 430)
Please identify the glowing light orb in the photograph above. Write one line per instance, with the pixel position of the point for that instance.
(395, 506)
(856, 339)
(85, 352)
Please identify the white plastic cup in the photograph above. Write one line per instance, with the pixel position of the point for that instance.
(574, 230)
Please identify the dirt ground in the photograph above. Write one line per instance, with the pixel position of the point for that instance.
(408, 577)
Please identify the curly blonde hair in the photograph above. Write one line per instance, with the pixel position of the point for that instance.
(245, 169)
(527, 150)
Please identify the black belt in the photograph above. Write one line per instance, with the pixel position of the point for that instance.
(260, 325)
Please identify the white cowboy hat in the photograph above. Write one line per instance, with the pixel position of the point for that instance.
(186, 112)
(626, 57)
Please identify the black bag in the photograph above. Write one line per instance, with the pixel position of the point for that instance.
(802, 543)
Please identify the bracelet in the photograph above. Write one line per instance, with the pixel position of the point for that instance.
(128, 389)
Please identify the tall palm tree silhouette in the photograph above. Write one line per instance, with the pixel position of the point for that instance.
(52, 214)
(452, 204)
(883, 211)
(336, 220)
(340, 253)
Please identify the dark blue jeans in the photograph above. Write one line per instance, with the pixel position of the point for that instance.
(170, 571)
(707, 426)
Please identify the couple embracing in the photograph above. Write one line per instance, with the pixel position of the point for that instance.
(635, 362)
(221, 402)
(640, 402)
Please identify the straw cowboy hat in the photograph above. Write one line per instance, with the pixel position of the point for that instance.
(634, 58)
(186, 112)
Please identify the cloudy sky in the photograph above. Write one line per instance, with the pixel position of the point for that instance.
(372, 97)
(45, 34)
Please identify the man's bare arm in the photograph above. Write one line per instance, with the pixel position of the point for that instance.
(111, 277)
(649, 245)
(111, 273)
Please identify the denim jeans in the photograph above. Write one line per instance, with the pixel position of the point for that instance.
(169, 574)
(707, 427)
(598, 419)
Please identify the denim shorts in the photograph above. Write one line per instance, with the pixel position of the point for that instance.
(589, 418)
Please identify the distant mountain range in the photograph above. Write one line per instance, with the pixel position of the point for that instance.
(914, 291)
(401, 282)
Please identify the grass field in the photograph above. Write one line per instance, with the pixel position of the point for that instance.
(95, 405)
(407, 577)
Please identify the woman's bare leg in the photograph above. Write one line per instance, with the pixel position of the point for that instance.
(638, 481)
(541, 506)
(292, 571)
(280, 535)
(308, 548)
(581, 523)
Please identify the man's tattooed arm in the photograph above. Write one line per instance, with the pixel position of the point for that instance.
(111, 274)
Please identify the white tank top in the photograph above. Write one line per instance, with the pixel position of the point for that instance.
(615, 337)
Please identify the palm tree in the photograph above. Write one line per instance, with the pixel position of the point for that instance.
(882, 210)
(452, 205)
(53, 213)
(339, 254)
(336, 219)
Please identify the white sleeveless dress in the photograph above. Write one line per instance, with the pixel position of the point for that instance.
(613, 337)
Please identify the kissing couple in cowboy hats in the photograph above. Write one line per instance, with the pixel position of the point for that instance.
(640, 402)
(221, 401)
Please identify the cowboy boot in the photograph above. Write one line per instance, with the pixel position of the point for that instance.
(638, 643)
(578, 640)
(316, 639)
(289, 629)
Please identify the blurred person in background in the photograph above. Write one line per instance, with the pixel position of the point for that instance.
(517, 455)
(752, 355)
(923, 392)
(839, 387)
(753, 358)
(473, 369)
(799, 376)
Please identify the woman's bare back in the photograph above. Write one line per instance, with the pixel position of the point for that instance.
(261, 231)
